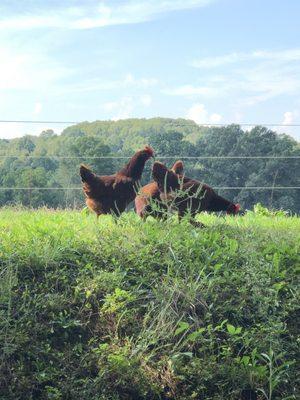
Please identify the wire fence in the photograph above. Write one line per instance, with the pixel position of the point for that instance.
(189, 124)
(163, 157)
(215, 187)
(181, 123)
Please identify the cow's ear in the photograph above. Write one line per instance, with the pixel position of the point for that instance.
(178, 167)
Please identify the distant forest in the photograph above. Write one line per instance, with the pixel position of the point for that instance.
(35, 161)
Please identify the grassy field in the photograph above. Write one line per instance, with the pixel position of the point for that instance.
(99, 310)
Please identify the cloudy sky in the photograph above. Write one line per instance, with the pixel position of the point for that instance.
(213, 61)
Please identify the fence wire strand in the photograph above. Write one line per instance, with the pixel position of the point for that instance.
(215, 187)
(190, 124)
(162, 157)
(7, 121)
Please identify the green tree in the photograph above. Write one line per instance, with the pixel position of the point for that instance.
(175, 138)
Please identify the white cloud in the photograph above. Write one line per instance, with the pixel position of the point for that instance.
(213, 62)
(23, 69)
(128, 81)
(215, 118)
(95, 15)
(121, 109)
(37, 108)
(265, 75)
(266, 81)
(190, 90)
(232, 58)
(289, 117)
(200, 115)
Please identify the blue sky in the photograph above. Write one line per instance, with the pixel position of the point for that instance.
(213, 61)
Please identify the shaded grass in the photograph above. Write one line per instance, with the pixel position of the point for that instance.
(133, 310)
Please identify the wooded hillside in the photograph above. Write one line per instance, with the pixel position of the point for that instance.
(38, 162)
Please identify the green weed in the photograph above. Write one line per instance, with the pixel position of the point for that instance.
(157, 310)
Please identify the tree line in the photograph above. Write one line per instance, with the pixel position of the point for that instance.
(52, 161)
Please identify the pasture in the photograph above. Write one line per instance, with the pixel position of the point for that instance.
(131, 310)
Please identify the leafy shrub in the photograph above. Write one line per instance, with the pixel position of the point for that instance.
(264, 211)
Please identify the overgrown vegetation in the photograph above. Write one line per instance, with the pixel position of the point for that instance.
(33, 162)
(132, 310)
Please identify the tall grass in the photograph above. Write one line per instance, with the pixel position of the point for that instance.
(156, 310)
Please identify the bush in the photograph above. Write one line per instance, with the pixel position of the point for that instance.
(132, 310)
